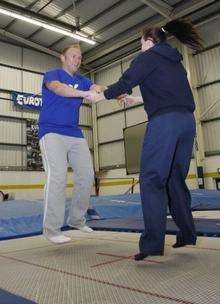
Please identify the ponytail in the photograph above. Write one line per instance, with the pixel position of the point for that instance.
(185, 32)
(182, 29)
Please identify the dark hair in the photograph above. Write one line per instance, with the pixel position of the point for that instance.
(182, 29)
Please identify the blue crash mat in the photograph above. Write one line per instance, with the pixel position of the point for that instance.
(10, 298)
(20, 218)
(204, 227)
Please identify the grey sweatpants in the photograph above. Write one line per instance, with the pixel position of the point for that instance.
(57, 150)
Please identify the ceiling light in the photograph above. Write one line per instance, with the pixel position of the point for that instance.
(47, 26)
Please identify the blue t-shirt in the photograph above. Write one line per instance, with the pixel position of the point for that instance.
(61, 114)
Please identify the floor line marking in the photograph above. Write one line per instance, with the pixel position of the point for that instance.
(148, 293)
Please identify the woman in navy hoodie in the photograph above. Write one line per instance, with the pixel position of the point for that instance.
(170, 133)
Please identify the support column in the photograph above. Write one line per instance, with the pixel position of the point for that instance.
(199, 152)
(95, 134)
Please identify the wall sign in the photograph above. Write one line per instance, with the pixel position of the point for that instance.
(27, 101)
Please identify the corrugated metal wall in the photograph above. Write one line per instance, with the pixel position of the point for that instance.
(22, 70)
(112, 118)
(207, 64)
(110, 122)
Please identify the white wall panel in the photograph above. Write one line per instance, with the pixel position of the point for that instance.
(125, 65)
(211, 133)
(210, 32)
(7, 108)
(39, 61)
(207, 66)
(14, 54)
(12, 131)
(32, 83)
(174, 43)
(136, 91)
(107, 106)
(10, 79)
(108, 75)
(135, 116)
(85, 117)
(207, 96)
(112, 154)
(12, 156)
(4, 94)
(30, 114)
(88, 136)
(111, 127)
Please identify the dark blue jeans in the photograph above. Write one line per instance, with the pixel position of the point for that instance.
(165, 161)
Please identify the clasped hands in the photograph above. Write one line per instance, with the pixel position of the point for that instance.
(95, 94)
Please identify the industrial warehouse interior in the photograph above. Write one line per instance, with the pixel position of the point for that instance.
(109, 151)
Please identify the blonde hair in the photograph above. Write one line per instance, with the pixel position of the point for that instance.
(72, 46)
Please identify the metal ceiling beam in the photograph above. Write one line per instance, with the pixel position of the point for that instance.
(14, 20)
(187, 8)
(198, 22)
(179, 11)
(60, 14)
(34, 33)
(208, 18)
(103, 13)
(67, 9)
(32, 4)
(109, 59)
(63, 12)
(40, 29)
(38, 11)
(56, 42)
(203, 7)
(28, 43)
(35, 46)
(159, 7)
(56, 17)
(119, 40)
(45, 5)
(99, 16)
(23, 3)
(43, 18)
(117, 21)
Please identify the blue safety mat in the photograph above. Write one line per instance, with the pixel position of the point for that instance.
(10, 298)
(21, 218)
(201, 199)
(204, 227)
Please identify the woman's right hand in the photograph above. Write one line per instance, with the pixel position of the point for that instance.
(131, 100)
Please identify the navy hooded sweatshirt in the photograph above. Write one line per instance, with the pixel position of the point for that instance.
(162, 80)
